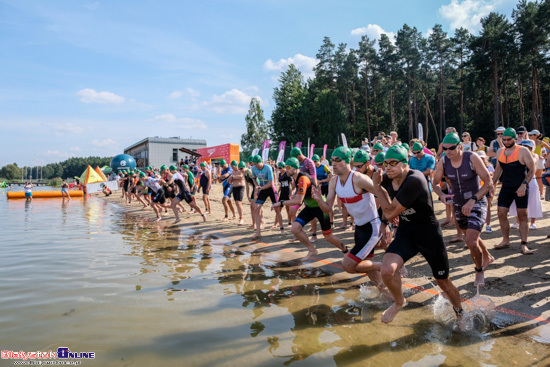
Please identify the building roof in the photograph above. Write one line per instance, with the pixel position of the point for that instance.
(172, 140)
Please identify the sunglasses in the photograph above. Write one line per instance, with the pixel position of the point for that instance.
(506, 139)
(380, 164)
(336, 159)
(499, 134)
(417, 152)
(450, 148)
(360, 166)
(392, 163)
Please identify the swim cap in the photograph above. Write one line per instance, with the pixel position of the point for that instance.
(451, 138)
(173, 168)
(398, 153)
(185, 166)
(242, 165)
(342, 152)
(223, 162)
(257, 159)
(234, 163)
(361, 157)
(378, 146)
(141, 174)
(163, 168)
(131, 173)
(203, 164)
(510, 132)
(281, 165)
(293, 162)
(380, 157)
(406, 146)
(251, 159)
(417, 146)
(315, 158)
(295, 152)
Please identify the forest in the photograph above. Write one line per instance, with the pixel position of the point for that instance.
(475, 83)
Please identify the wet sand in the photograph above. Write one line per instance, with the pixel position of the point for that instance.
(518, 284)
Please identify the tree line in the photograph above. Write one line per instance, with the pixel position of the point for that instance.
(72, 167)
(475, 83)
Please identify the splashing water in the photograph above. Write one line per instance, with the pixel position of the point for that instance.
(368, 293)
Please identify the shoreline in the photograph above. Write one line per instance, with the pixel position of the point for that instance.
(517, 284)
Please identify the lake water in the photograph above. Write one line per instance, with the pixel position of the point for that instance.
(83, 274)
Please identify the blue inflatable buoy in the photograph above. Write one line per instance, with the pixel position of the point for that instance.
(122, 161)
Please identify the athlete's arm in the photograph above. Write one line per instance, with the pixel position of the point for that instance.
(390, 209)
(326, 207)
(526, 158)
(437, 180)
(483, 174)
(498, 170)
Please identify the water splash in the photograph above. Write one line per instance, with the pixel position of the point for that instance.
(477, 316)
(368, 293)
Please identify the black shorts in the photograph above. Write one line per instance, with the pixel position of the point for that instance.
(309, 213)
(507, 196)
(366, 237)
(205, 189)
(267, 193)
(186, 195)
(324, 190)
(238, 193)
(285, 194)
(475, 220)
(429, 242)
(169, 192)
(158, 197)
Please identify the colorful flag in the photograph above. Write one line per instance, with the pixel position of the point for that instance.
(311, 150)
(344, 141)
(299, 144)
(265, 150)
(281, 155)
(325, 151)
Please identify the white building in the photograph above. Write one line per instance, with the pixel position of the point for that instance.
(156, 151)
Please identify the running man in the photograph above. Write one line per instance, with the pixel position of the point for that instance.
(404, 192)
(356, 190)
(464, 170)
(515, 169)
(311, 210)
(205, 183)
(157, 192)
(265, 189)
(226, 187)
(183, 194)
(285, 186)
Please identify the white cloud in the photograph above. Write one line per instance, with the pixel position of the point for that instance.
(468, 13)
(234, 101)
(64, 128)
(91, 96)
(185, 122)
(187, 92)
(104, 143)
(57, 154)
(74, 149)
(303, 63)
(373, 31)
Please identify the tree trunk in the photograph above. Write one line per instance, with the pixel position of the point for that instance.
(367, 114)
(495, 91)
(535, 112)
(521, 105)
(411, 132)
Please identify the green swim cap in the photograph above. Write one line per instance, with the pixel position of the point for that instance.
(511, 132)
(398, 153)
(163, 168)
(251, 159)
(173, 168)
(131, 173)
(234, 163)
(295, 152)
(185, 166)
(315, 158)
(451, 138)
(406, 146)
(380, 157)
(417, 146)
(378, 146)
(223, 162)
(293, 162)
(281, 165)
(203, 164)
(141, 174)
(361, 156)
(343, 153)
(242, 165)
(257, 159)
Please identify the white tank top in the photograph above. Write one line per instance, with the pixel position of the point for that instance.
(361, 206)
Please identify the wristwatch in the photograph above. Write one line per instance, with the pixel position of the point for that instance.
(524, 182)
(474, 198)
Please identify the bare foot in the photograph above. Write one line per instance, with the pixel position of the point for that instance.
(313, 239)
(487, 261)
(225, 219)
(343, 226)
(350, 228)
(251, 227)
(158, 219)
(204, 217)
(456, 240)
(256, 237)
(241, 222)
(444, 223)
(234, 217)
(293, 239)
(502, 245)
(177, 221)
(390, 313)
(309, 255)
(525, 250)
(480, 279)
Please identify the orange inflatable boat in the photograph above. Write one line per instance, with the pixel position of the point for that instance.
(42, 194)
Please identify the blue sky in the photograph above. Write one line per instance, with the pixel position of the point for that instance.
(83, 78)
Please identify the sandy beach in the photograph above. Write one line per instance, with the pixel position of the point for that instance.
(518, 284)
